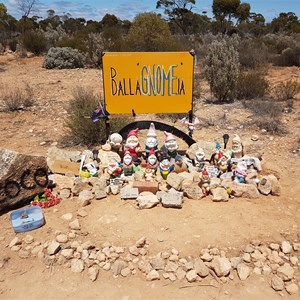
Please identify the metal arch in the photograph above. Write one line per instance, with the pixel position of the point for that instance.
(158, 125)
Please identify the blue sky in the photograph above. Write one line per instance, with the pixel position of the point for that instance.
(128, 9)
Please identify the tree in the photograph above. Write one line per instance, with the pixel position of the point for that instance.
(178, 12)
(286, 22)
(243, 12)
(26, 6)
(149, 32)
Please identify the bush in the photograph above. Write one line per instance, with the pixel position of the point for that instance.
(289, 57)
(251, 85)
(222, 70)
(286, 90)
(79, 127)
(63, 58)
(34, 41)
(17, 98)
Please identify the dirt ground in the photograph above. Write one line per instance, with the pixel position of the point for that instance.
(229, 226)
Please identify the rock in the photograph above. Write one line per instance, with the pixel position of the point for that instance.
(265, 186)
(235, 261)
(24, 253)
(147, 200)
(153, 275)
(274, 246)
(62, 238)
(107, 266)
(285, 272)
(292, 288)
(180, 274)
(171, 267)
(248, 249)
(67, 216)
(54, 154)
(77, 265)
(219, 194)
(172, 199)
(129, 193)
(275, 185)
(144, 266)
(100, 256)
(114, 189)
(200, 268)
(53, 248)
(172, 276)
(15, 241)
(247, 257)
(206, 257)
(191, 276)
(243, 271)
(106, 156)
(175, 181)
(296, 246)
(241, 189)
(28, 239)
(286, 247)
(126, 272)
(254, 138)
(214, 183)
(134, 250)
(277, 283)
(67, 253)
(99, 194)
(221, 266)
(193, 191)
(140, 243)
(157, 263)
(93, 273)
(118, 266)
(82, 213)
(15, 248)
(80, 186)
(75, 225)
(21, 177)
(253, 148)
(99, 183)
(294, 260)
(85, 196)
(64, 193)
(64, 182)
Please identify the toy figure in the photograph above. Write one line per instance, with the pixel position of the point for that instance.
(128, 167)
(151, 141)
(115, 141)
(84, 173)
(133, 146)
(165, 166)
(170, 145)
(152, 160)
(180, 166)
(214, 156)
(149, 173)
(222, 162)
(240, 172)
(113, 168)
(199, 161)
(237, 147)
(91, 167)
(205, 183)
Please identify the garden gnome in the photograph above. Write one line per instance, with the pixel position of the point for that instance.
(170, 145)
(113, 168)
(214, 156)
(180, 166)
(237, 147)
(222, 162)
(133, 146)
(165, 166)
(151, 140)
(152, 161)
(128, 166)
(240, 172)
(149, 173)
(115, 141)
(199, 159)
(205, 183)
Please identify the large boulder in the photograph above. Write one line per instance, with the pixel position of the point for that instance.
(244, 190)
(21, 177)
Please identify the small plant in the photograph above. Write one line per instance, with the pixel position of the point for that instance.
(47, 199)
(286, 90)
(16, 98)
(289, 57)
(34, 41)
(251, 85)
(63, 58)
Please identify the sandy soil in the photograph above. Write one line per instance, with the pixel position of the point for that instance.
(229, 226)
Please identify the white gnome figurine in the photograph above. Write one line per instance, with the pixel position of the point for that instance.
(151, 140)
(237, 147)
(115, 141)
(171, 145)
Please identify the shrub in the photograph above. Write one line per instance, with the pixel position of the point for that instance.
(12, 44)
(95, 47)
(34, 41)
(222, 70)
(17, 98)
(289, 57)
(79, 127)
(251, 85)
(286, 90)
(76, 42)
(63, 58)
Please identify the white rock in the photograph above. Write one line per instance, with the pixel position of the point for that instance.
(77, 265)
(153, 275)
(67, 216)
(171, 267)
(67, 253)
(53, 247)
(191, 276)
(28, 239)
(126, 272)
(292, 288)
(15, 241)
(277, 283)
(221, 266)
(286, 247)
(285, 272)
(118, 266)
(93, 273)
(243, 271)
(200, 268)
(62, 238)
(206, 257)
(147, 200)
(75, 225)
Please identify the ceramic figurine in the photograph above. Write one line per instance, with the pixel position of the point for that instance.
(152, 161)
(132, 145)
(84, 173)
(149, 173)
(170, 145)
(113, 168)
(199, 161)
(240, 172)
(237, 147)
(128, 166)
(165, 166)
(180, 166)
(151, 140)
(215, 154)
(205, 183)
(222, 162)
(115, 141)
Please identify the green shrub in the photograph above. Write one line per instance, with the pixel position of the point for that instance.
(222, 70)
(251, 85)
(12, 44)
(34, 41)
(79, 127)
(75, 42)
(289, 57)
(286, 90)
(63, 58)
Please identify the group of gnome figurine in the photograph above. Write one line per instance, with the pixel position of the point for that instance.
(154, 161)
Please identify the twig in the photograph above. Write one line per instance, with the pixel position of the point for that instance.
(188, 286)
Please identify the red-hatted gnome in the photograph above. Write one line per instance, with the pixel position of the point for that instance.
(133, 146)
(205, 183)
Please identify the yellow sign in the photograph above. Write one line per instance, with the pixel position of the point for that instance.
(148, 82)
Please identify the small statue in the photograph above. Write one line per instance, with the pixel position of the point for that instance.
(151, 140)
(215, 154)
(84, 173)
(205, 183)
(170, 145)
(165, 166)
(222, 162)
(133, 146)
(199, 161)
(128, 166)
(152, 161)
(115, 141)
(113, 168)
(240, 172)
(180, 166)
(149, 173)
(237, 147)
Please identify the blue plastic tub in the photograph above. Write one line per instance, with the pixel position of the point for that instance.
(27, 219)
